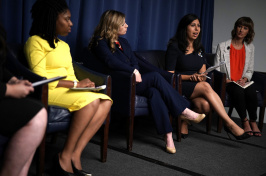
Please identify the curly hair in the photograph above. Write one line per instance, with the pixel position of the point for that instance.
(181, 34)
(245, 21)
(108, 28)
(44, 14)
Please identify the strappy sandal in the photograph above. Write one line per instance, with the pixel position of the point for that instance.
(247, 132)
(255, 133)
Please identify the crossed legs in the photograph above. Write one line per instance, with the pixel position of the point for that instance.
(201, 106)
(22, 146)
(204, 90)
(84, 125)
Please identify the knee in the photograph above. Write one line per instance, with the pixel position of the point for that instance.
(205, 107)
(39, 121)
(94, 104)
(107, 104)
(155, 75)
(205, 87)
(202, 106)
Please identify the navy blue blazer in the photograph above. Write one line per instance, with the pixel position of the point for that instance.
(119, 60)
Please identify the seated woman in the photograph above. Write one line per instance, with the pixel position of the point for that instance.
(238, 55)
(185, 55)
(49, 56)
(22, 119)
(116, 53)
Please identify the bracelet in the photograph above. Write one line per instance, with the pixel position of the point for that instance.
(75, 84)
(135, 71)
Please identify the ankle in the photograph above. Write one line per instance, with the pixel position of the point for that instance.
(244, 120)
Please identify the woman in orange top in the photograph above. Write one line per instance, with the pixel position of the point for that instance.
(238, 55)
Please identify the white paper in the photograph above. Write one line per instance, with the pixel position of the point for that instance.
(90, 88)
(213, 67)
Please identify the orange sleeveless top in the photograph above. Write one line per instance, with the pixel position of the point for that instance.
(237, 62)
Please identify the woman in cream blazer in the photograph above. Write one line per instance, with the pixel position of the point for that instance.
(238, 55)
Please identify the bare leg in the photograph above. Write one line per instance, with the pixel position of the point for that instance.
(90, 131)
(246, 126)
(169, 140)
(203, 89)
(201, 105)
(22, 146)
(82, 124)
(255, 129)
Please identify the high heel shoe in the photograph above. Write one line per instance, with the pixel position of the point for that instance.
(184, 136)
(79, 172)
(241, 137)
(58, 169)
(171, 150)
(196, 120)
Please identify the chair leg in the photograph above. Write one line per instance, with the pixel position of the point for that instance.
(230, 111)
(219, 124)
(178, 128)
(41, 157)
(209, 122)
(105, 136)
(261, 117)
(130, 132)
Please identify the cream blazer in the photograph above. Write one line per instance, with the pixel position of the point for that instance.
(223, 54)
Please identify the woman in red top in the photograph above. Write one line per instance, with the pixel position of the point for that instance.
(238, 55)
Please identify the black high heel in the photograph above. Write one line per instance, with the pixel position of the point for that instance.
(79, 172)
(184, 136)
(58, 169)
(241, 137)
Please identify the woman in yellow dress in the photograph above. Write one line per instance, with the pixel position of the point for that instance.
(49, 56)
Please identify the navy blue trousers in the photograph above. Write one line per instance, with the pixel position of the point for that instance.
(163, 98)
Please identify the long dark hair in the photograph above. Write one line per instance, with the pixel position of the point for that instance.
(44, 14)
(181, 34)
(245, 21)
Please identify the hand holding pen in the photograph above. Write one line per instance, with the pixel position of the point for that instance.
(198, 77)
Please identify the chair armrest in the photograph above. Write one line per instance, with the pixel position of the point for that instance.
(259, 79)
(82, 72)
(146, 66)
(179, 83)
(123, 92)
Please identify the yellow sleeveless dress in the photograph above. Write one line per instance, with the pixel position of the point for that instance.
(48, 62)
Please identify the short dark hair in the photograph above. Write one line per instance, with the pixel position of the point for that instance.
(44, 14)
(245, 21)
(181, 34)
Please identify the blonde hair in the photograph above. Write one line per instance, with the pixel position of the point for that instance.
(107, 28)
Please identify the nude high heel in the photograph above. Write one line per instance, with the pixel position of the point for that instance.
(196, 120)
(171, 150)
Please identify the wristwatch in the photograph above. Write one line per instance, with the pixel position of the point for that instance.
(75, 83)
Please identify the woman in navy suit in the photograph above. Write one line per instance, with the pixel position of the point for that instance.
(116, 53)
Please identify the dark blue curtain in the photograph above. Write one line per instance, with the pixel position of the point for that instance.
(151, 22)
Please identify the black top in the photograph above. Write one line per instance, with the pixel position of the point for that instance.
(188, 64)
